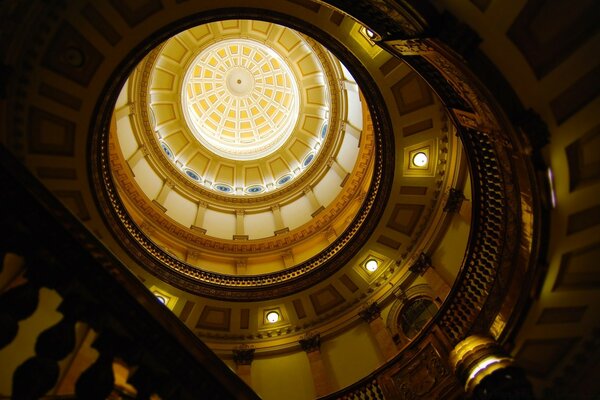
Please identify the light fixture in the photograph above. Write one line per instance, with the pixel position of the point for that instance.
(161, 299)
(420, 159)
(272, 316)
(370, 33)
(551, 187)
(372, 265)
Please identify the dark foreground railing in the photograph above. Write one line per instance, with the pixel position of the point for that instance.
(164, 358)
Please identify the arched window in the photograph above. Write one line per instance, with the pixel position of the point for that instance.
(415, 315)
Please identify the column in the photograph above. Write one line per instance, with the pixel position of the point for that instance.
(458, 203)
(243, 358)
(312, 346)
(424, 268)
(279, 225)
(239, 226)
(314, 203)
(136, 157)
(487, 372)
(372, 315)
(199, 221)
(162, 195)
(338, 169)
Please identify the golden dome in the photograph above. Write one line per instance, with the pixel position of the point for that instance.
(240, 98)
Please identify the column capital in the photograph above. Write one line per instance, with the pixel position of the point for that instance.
(311, 343)
(243, 355)
(371, 313)
(421, 264)
(455, 199)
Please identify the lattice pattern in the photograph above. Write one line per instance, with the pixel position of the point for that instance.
(370, 391)
(241, 98)
(483, 259)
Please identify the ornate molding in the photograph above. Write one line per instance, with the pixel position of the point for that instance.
(310, 343)
(243, 355)
(370, 313)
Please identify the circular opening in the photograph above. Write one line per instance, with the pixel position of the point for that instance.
(420, 159)
(241, 99)
(372, 265)
(272, 317)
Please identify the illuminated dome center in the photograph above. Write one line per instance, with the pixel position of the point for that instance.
(240, 99)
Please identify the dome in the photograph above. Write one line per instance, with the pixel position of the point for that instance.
(243, 183)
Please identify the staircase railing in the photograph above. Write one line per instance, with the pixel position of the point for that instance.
(164, 358)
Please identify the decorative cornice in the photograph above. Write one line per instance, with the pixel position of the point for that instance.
(311, 343)
(243, 355)
(454, 201)
(421, 264)
(371, 313)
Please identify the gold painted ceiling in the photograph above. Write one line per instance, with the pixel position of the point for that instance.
(248, 168)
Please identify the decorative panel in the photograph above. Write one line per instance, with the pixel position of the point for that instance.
(101, 24)
(539, 356)
(69, 54)
(389, 242)
(326, 299)
(214, 318)
(389, 65)
(417, 127)
(548, 32)
(74, 202)
(579, 269)
(404, 217)
(186, 310)
(56, 173)
(561, 315)
(576, 96)
(50, 134)
(411, 94)
(60, 96)
(583, 156)
(135, 11)
(309, 5)
(244, 318)
(481, 4)
(350, 285)
(413, 190)
(299, 308)
(583, 220)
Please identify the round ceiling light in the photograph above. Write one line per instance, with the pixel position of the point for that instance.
(372, 265)
(272, 317)
(420, 159)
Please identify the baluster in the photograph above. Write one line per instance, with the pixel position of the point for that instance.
(147, 381)
(97, 382)
(39, 374)
(16, 304)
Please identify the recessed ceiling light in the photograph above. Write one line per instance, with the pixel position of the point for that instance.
(272, 317)
(372, 265)
(161, 299)
(420, 159)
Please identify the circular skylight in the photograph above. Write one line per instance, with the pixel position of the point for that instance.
(240, 99)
